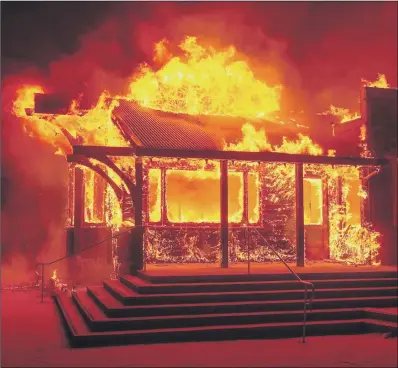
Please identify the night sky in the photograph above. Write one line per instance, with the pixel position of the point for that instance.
(326, 43)
(40, 32)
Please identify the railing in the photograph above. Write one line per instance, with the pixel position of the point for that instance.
(42, 265)
(180, 227)
(307, 301)
(305, 283)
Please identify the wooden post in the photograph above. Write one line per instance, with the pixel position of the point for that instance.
(138, 238)
(245, 197)
(78, 208)
(163, 205)
(224, 212)
(300, 215)
(339, 188)
(325, 220)
(79, 198)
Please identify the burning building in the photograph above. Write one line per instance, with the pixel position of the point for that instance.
(195, 165)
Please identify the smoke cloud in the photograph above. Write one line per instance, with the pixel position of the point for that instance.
(34, 192)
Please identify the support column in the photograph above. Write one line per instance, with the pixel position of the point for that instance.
(339, 188)
(224, 212)
(138, 237)
(163, 205)
(300, 246)
(245, 197)
(74, 238)
(78, 208)
(79, 198)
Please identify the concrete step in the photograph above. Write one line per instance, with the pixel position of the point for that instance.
(130, 297)
(81, 336)
(163, 277)
(383, 314)
(142, 286)
(113, 307)
(98, 321)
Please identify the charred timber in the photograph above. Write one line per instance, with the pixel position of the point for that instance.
(259, 156)
(138, 235)
(300, 242)
(103, 150)
(228, 155)
(224, 213)
(83, 160)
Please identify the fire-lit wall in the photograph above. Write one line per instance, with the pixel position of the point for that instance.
(194, 196)
(181, 202)
(381, 189)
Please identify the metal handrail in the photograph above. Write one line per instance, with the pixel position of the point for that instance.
(305, 283)
(43, 264)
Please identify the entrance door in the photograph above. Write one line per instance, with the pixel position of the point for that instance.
(315, 219)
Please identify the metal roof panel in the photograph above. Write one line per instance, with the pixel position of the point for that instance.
(156, 129)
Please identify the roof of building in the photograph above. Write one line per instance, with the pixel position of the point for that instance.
(156, 129)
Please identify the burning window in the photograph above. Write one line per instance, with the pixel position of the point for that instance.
(313, 201)
(194, 196)
(71, 197)
(353, 203)
(94, 197)
(154, 204)
(253, 198)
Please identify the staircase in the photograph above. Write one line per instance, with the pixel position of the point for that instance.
(143, 309)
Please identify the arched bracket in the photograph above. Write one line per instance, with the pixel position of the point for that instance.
(84, 161)
(108, 162)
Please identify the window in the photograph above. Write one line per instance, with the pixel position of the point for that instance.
(94, 197)
(353, 204)
(313, 201)
(253, 198)
(154, 205)
(194, 196)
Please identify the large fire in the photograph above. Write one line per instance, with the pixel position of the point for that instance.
(208, 82)
(203, 82)
(92, 127)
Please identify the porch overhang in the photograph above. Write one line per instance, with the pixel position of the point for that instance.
(227, 155)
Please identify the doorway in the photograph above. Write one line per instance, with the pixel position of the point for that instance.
(315, 219)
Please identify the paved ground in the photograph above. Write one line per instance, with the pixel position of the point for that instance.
(32, 337)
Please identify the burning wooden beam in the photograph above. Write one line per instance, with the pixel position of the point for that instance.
(228, 155)
(224, 212)
(300, 246)
(138, 238)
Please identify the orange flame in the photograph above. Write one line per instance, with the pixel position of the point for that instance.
(206, 83)
(256, 140)
(380, 82)
(343, 115)
(54, 275)
(94, 126)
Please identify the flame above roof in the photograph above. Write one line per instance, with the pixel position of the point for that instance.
(156, 129)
